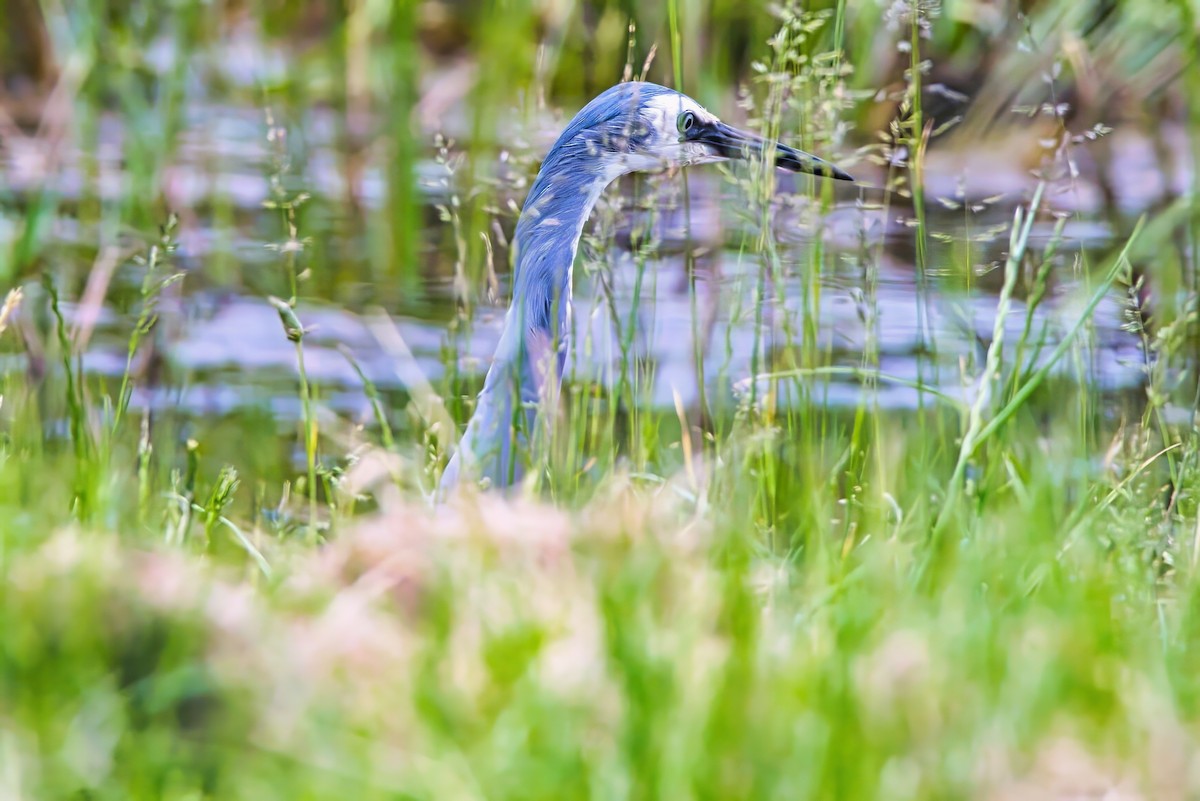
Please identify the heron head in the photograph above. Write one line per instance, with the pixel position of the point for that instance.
(643, 127)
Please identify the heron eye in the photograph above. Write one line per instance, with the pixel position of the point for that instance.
(686, 121)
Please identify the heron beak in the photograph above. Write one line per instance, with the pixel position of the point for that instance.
(735, 144)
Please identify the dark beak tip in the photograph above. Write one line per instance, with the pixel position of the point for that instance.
(821, 171)
(799, 162)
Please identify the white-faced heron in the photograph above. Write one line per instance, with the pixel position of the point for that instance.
(632, 127)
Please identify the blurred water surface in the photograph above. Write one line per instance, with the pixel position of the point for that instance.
(859, 292)
(679, 276)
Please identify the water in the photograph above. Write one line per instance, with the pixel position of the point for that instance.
(226, 356)
(227, 342)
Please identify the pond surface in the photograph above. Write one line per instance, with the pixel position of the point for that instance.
(842, 287)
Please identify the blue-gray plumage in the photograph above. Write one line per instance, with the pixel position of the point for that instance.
(632, 127)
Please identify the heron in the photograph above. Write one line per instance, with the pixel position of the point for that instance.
(631, 127)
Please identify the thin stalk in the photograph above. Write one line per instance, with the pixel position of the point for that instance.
(1022, 226)
(401, 214)
(147, 317)
(372, 392)
(688, 256)
(1040, 285)
(295, 332)
(918, 137)
(80, 441)
(287, 204)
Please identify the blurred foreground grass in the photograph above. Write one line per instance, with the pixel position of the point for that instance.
(994, 598)
(642, 647)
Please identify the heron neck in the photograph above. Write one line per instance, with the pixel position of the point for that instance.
(547, 237)
(526, 371)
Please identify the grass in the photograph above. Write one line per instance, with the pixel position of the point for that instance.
(764, 594)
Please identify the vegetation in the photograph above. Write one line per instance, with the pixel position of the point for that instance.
(989, 590)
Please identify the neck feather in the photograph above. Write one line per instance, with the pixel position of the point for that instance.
(548, 232)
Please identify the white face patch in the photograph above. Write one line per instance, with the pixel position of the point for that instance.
(663, 148)
(664, 111)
